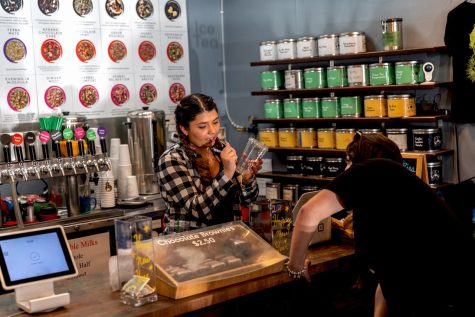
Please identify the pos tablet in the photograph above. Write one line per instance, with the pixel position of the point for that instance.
(30, 261)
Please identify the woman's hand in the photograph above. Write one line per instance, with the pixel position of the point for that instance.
(229, 158)
(254, 167)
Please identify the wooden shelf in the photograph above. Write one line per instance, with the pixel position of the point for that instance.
(375, 54)
(294, 177)
(415, 119)
(343, 152)
(354, 89)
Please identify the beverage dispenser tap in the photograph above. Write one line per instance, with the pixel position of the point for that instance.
(102, 137)
(6, 139)
(44, 137)
(20, 172)
(30, 139)
(91, 145)
(79, 134)
(56, 136)
(68, 135)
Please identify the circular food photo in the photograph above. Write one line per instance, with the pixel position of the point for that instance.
(85, 50)
(172, 10)
(174, 51)
(55, 97)
(144, 8)
(82, 7)
(148, 93)
(11, 6)
(51, 50)
(114, 8)
(18, 98)
(176, 92)
(119, 94)
(48, 7)
(14, 50)
(117, 51)
(88, 96)
(147, 51)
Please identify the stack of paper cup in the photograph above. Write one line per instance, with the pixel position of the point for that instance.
(114, 155)
(124, 169)
(106, 190)
(132, 190)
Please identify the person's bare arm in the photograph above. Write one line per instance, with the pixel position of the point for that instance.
(380, 306)
(324, 204)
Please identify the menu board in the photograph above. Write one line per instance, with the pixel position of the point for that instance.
(97, 58)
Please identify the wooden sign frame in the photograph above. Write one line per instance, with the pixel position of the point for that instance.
(420, 165)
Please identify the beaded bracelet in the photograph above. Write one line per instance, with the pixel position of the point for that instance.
(295, 274)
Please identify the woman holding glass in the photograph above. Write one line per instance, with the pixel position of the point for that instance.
(197, 176)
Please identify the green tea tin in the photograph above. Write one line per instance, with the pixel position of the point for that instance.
(381, 74)
(271, 80)
(311, 108)
(337, 76)
(351, 106)
(315, 77)
(273, 109)
(408, 72)
(330, 107)
(292, 108)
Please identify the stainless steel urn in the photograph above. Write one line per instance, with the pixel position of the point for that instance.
(146, 138)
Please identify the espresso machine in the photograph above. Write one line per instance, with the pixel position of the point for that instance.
(146, 139)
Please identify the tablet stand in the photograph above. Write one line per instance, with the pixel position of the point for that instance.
(40, 297)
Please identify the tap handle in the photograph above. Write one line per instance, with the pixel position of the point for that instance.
(91, 136)
(68, 135)
(101, 131)
(30, 139)
(56, 136)
(44, 137)
(6, 139)
(79, 134)
(17, 140)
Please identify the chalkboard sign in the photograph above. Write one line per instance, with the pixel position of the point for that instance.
(416, 163)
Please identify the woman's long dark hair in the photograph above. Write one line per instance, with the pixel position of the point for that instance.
(191, 106)
(373, 145)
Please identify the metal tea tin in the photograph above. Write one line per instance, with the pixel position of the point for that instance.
(343, 137)
(307, 137)
(307, 189)
(434, 172)
(292, 108)
(352, 42)
(408, 73)
(427, 140)
(268, 50)
(314, 165)
(293, 79)
(381, 74)
(337, 76)
(273, 190)
(334, 166)
(358, 75)
(273, 109)
(401, 106)
(328, 45)
(269, 136)
(369, 131)
(398, 136)
(290, 192)
(315, 77)
(311, 107)
(271, 80)
(326, 138)
(307, 47)
(392, 34)
(330, 107)
(295, 164)
(375, 106)
(287, 137)
(351, 106)
(286, 49)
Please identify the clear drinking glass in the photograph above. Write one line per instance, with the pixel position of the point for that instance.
(253, 151)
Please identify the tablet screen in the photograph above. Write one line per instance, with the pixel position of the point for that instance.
(34, 255)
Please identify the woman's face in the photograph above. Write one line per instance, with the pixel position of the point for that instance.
(203, 130)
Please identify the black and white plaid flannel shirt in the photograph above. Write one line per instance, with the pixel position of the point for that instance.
(189, 202)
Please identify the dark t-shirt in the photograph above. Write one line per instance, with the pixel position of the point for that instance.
(460, 40)
(407, 235)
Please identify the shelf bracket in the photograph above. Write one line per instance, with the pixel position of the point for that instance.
(332, 63)
(380, 59)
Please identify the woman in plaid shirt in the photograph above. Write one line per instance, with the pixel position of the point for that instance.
(197, 176)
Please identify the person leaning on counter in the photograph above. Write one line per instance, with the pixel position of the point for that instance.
(418, 250)
(197, 176)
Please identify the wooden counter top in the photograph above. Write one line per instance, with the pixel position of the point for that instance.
(92, 296)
